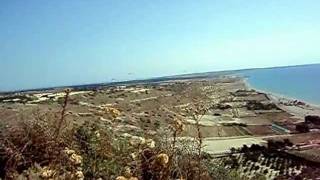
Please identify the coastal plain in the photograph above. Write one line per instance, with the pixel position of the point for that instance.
(235, 115)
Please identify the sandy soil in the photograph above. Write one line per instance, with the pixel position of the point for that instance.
(217, 146)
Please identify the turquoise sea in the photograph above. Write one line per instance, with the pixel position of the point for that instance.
(299, 82)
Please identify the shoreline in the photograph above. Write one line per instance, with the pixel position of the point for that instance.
(250, 86)
(286, 103)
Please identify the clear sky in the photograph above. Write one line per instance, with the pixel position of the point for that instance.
(65, 42)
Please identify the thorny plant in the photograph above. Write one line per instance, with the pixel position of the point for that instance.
(200, 111)
(63, 113)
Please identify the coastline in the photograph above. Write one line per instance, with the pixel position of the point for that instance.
(300, 109)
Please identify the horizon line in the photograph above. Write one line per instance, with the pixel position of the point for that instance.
(151, 78)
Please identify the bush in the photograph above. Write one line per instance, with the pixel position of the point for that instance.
(31, 142)
(104, 154)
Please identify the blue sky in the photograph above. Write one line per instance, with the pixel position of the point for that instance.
(51, 43)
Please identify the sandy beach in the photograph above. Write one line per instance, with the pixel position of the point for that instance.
(297, 110)
(296, 107)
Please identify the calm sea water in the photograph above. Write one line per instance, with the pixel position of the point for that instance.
(300, 82)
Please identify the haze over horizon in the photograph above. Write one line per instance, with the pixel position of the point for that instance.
(53, 43)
